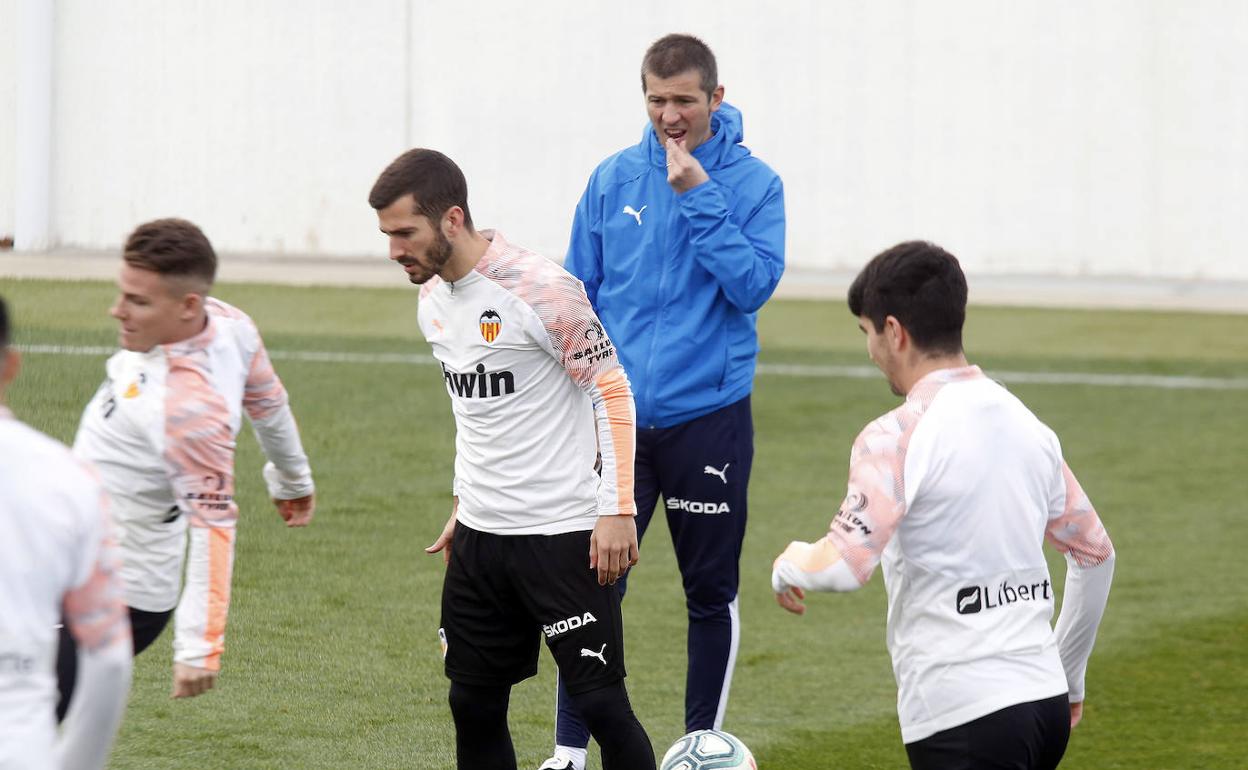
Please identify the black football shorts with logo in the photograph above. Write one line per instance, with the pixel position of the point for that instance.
(503, 594)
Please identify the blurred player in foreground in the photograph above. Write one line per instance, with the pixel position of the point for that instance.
(955, 491)
(536, 538)
(57, 559)
(161, 430)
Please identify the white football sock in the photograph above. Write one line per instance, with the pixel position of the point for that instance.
(576, 756)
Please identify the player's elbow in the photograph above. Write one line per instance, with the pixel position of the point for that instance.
(752, 295)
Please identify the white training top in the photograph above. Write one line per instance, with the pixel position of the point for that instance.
(954, 492)
(161, 430)
(530, 373)
(57, 559)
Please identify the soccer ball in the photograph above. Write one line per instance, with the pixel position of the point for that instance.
(708, 750)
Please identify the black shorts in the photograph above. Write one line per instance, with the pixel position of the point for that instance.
(1026, 736)
(503, 593)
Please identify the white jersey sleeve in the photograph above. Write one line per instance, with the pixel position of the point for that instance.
(95, 611)
(1075, 529)
(287, 473)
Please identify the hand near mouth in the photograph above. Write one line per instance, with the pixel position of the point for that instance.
(684, 172)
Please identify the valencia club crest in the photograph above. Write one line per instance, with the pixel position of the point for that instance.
(491, 325)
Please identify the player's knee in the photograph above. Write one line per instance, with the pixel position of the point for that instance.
(475, 706)
(708, 601)
(604, 706)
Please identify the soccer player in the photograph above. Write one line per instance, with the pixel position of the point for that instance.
(679, 241)
(161, 430)
(57, 560)
(536, 538)
(954, 491)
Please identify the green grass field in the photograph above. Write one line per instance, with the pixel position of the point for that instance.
(332, 658)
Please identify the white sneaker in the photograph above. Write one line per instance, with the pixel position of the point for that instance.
(556, 763)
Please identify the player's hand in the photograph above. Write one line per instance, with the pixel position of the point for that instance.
(189, 681)
(613, 547)
(1076, 714)
(443, 543)
(791, 599)
(297, 512)
(684, 172)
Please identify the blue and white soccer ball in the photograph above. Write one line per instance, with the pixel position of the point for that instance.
(708, 750)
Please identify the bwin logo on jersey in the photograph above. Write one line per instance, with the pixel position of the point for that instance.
(696, 506)
(569, 624)
(479, 384)
(491, 325)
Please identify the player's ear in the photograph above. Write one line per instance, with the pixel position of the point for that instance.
(191, 305)
(717, 97)
(452, 222)
(895, 333)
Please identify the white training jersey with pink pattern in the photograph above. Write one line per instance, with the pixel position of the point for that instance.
(161, 430)
(537, 391)
(954, 492)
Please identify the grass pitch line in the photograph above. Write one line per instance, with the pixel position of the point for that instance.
(1165, 382)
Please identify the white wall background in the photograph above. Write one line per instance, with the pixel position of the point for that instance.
(1104, 137)
(8, 115)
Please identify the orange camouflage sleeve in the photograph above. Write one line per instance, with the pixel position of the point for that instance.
(199, 456)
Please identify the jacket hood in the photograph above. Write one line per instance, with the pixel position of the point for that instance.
(722, 149)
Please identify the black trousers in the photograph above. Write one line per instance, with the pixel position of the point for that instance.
(1026, 736)
(145, 627)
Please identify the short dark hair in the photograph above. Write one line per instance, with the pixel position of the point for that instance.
(172, 247)
(4, 325)
(432, 179)
(922, 286)
(673, 54)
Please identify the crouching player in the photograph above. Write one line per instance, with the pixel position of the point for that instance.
(954, 492)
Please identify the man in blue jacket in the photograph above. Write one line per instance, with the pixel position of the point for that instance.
(679, 241)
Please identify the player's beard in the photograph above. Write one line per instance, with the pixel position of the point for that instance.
(437, 255)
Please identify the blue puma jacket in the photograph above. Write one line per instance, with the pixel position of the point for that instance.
(677, 280)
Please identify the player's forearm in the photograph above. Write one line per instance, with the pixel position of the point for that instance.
(1083, 605)
(278, 435)
(103, 683)
(813, 567)
(200, 619)
(616, 422)
(745, 259)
